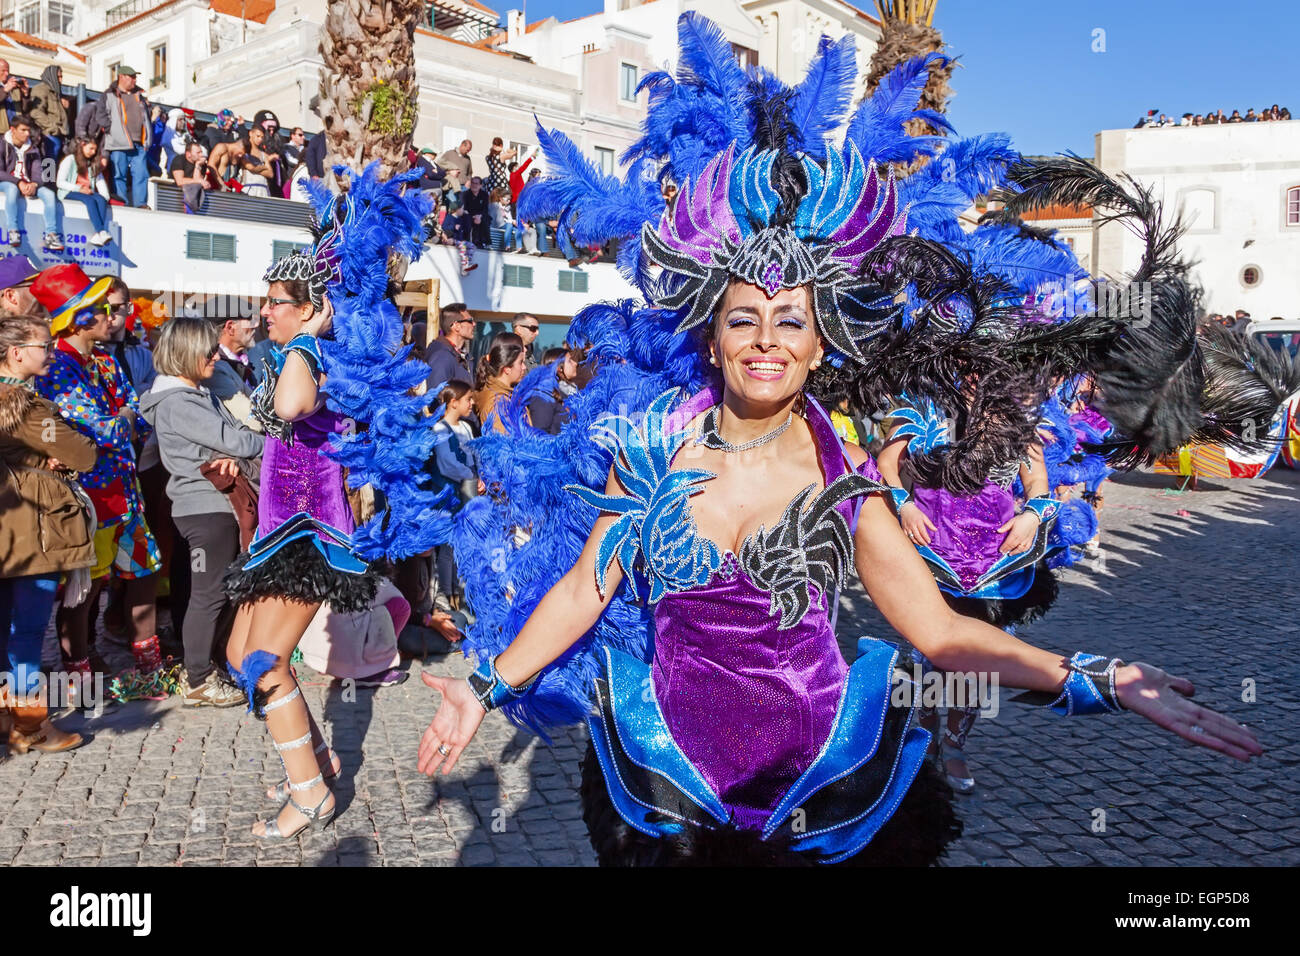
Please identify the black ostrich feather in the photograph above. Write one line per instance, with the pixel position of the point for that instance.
(1245, 382)
(773, 129)
(1071, 180)
(1150, 383)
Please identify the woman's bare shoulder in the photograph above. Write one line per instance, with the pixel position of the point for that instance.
(856, 454)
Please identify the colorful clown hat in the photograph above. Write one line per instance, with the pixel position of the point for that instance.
(65, 290)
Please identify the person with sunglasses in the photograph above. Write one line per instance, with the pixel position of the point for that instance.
(45, 529)
(97, 398)
(132, 352)
(526, 326)
(446, 355)
(195, 430)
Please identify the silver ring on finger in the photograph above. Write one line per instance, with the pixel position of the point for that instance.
(1198, 729)
(444, 749)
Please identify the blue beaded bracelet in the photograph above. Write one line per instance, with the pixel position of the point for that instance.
(491, 689)
(309, 348)
(1090, 688)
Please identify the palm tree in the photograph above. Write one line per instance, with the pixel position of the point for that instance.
(907, 32)
(368, 81)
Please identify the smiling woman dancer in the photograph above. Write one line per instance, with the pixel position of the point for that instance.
(688, 611)
(736, 514)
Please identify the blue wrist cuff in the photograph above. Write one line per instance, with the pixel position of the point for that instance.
(489, 687)
(1090, 688)
(309, 348)
(1046, 508)
(899, 497)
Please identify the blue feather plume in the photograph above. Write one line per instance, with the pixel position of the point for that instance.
(823, 97)
(877, 124)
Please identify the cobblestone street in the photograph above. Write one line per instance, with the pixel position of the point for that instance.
(1200, 583)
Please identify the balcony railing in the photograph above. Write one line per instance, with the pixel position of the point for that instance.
(125, 11)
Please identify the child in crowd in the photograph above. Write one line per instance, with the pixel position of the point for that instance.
(457, 465)
(499, 210)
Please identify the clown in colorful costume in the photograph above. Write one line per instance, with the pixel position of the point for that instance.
(734, 514)
(96, 397)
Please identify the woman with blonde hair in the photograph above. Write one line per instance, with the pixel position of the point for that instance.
(194, 430)
(45, 528)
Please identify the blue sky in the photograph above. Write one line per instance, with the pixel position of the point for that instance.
(1029, 68)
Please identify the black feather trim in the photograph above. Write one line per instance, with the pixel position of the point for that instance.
(299, 572)
(1029, 607)
(916, 835)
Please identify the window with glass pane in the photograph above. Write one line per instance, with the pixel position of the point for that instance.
(606, 159)
(29, 18)
(159, 77)
(58, 17)
(1293, 206)
(627, 82)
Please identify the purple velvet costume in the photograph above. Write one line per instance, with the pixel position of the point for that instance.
(748, 704)
(300, 478)
(966, 527)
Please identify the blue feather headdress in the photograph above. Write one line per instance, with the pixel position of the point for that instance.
(777, 185)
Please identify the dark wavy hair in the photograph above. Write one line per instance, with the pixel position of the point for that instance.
(505, 349)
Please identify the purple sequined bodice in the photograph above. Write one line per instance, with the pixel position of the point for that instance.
(301, 478)
(750, 704)
(966, 527)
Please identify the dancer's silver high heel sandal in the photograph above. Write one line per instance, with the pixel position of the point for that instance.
(950, 750)
(280, 791)
(317, 819)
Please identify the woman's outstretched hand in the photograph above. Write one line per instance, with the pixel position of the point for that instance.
(1163, 699)
(453, 725)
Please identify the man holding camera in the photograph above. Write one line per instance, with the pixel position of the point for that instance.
(14, 94)
(189, 171)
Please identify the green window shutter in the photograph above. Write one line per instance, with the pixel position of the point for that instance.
(223, 248)
(198, 245)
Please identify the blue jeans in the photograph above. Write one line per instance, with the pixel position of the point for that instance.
(130, 162)
(16, 207)
(96, 208)
(566, 244)
(510, 234)
(26, 604)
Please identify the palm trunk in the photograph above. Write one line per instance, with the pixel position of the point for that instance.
(907, 33)
(368, 81)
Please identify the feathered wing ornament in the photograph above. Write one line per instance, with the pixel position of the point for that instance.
(370, 375)
(1161, 383)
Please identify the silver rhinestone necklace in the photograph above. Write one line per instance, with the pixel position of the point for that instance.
(710, 438)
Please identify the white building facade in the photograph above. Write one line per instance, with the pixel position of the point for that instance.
(1238, 189)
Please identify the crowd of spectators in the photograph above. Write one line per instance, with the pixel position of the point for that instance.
(105, 154)
(479, 210)
(1272, 113)
(154, 458)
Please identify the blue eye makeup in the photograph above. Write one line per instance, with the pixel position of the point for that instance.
(739, 321)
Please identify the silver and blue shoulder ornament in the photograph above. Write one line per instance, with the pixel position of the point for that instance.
(652, 518)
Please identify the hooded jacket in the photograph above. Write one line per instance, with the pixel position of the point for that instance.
(43, 525)
(192, 430)
(47, 109)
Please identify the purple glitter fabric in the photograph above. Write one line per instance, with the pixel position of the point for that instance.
(966, 527)
(302, 478)
(750, 706)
